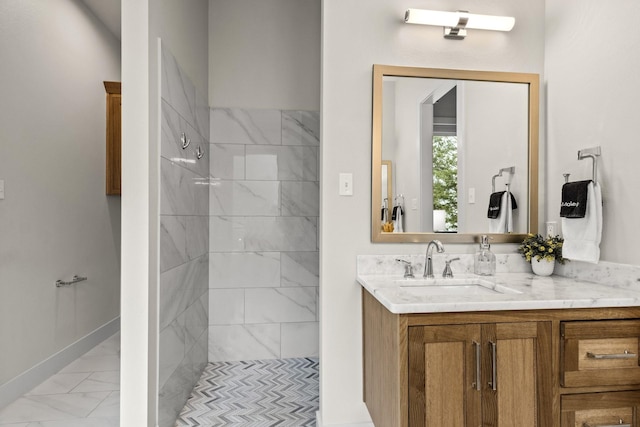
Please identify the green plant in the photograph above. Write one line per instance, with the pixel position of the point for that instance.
(538, 247)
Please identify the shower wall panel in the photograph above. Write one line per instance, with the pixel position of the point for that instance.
(184, 239)
(264, 205)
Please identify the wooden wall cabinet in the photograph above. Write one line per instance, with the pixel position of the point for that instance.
(114, 120)
(527, 368)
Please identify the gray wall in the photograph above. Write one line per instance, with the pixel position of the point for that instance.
(264, 54)
(55, 220)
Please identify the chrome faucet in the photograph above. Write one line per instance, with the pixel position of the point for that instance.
(428, 265)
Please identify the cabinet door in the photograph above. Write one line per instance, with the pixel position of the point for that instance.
(450, 394)
(517, 374)
(601, 409)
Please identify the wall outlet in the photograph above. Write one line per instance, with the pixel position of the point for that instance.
(551, 228)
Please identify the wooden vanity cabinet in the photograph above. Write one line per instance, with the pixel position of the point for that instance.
(601, 409)
(438, 369)
(600, 353)
(478, 374)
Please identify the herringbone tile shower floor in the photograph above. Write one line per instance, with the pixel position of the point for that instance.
(264, 393)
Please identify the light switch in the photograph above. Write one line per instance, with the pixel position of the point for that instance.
(472, 195)
(346, 184)
(414, 204)
(1, 189)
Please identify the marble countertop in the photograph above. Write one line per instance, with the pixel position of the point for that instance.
(526, 291)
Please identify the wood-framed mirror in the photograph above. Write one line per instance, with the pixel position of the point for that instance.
(456, 139)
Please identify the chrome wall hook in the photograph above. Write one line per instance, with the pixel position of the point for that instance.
(185, 141)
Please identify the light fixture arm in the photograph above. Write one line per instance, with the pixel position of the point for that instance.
(458, 32)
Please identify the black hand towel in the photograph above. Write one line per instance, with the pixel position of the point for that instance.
(394, 212)
(495, 203)
(574, 199)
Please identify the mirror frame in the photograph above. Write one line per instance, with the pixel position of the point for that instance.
(533, 82)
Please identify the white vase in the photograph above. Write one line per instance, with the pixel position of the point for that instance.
(543, 267)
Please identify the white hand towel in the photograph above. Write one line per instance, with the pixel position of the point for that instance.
(397, 224)
(582, 235)
(499, 224)
(509, 220)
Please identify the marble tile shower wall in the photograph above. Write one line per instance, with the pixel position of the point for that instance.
(264, 205)
(184, 239)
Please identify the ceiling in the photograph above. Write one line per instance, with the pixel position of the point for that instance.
(108, 11)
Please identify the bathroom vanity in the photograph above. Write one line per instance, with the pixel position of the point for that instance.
(514, 350)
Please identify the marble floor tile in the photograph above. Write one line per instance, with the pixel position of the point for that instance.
(109, 408)
(100, 381)
(91, 363)
(51, 407)
(80, 422)
(282, 393)
(59, 383)
(84, 394)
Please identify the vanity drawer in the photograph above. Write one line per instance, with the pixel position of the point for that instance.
(600, 409)
(600, 353)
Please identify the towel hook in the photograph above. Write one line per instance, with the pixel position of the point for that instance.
(511, 170)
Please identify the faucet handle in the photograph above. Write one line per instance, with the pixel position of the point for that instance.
(447, 273)
(408, 268)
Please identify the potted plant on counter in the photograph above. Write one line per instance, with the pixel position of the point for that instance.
(542, 253)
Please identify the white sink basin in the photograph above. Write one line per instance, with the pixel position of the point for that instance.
(452, 287)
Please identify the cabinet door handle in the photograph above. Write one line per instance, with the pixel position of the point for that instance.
(494, 368)
(607, 425)
(476, 384)
(625, 355)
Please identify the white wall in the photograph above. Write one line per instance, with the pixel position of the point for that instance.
(55, 220)
(592, 87)
(184, 31)
(496, 132)
(262, 55)
(357, 34)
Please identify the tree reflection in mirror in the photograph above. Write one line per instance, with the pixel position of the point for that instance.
(445, 181)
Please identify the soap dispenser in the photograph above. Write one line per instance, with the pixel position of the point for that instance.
(484, 261)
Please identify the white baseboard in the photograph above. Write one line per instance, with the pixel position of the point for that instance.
(319, 423)
(16, 387)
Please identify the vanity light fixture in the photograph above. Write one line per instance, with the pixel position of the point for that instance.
(456, 23)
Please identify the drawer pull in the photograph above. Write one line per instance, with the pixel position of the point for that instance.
(476, 384)
(607, 425)
(625, 355)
